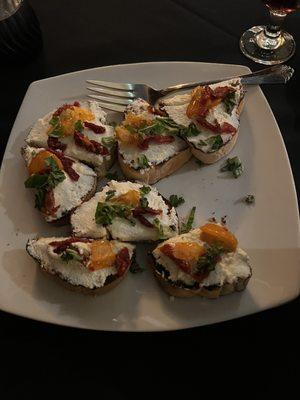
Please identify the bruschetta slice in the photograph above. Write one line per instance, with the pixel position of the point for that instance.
(149, 146)
(126, 211)
(80, 131)
(61, 183)
(209, 116)
(81, 264)
(204, 262)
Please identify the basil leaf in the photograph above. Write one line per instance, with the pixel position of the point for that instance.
(36, 181)
(208, 261)
(160, 228)
(233, 165)
(69, 255)
(229, 102)
(186, 227)
(106, 213)
(191, 131)
(110, 194)
(215, 142)
(54, 121)
(143, 162)
(78, 126)
(176, 201)
(108, 141)
(39, 198)
(145, 190)
(144, 202)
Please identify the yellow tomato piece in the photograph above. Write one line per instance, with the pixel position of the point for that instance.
(70, 116)
(126, 137)
(37, 164)
(130, 198)
(102, 255)
(216, 234)
(188, 251)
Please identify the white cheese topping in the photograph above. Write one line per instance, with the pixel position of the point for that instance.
(73, 271)
(38, 135)
(156, 153)
(84, 224)
(176, 108)
(231, 266)
(68, 194)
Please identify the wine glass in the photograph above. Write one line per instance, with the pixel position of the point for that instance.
(270, 44)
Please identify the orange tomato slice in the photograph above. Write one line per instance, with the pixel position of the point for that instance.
(216, 234)
(188, 251)
(37, 164)
(102, 255)
(130, 198)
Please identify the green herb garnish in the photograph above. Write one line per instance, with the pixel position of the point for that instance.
(112, 176)
(249, 199)
(176, 201)
(187, 226)
(145, 190)
(229, 102)
(110, 194)
(70, 254)
(78, 126)
(108, 141)
(190, 131)
(160, 228)
(144, 202)
(46, 181)
(143, 162)
(106, 213)
(208, 261)
(56, 127)
(233, 165)
(215, 142)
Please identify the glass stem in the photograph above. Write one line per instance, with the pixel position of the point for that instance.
(270, 38)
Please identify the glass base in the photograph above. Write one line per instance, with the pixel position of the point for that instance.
(249, 46)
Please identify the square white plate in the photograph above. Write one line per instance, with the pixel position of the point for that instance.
(269, 230)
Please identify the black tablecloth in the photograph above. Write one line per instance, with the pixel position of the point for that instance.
(261, 351)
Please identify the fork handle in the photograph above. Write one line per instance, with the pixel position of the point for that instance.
(274, 74)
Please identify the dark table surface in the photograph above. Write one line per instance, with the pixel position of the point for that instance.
(260, 352)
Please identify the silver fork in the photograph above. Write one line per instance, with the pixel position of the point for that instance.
(116, 96)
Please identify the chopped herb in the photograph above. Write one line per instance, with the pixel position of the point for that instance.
(144, 202)
(233, 165)
(229, 102)
(46, 181)
(110, 194)
(208, 261)
(249, 199)
(56, 130)
(130, 128)
(108, 141)
(145, 190)
(160, 228)
(199, 162)
(190, 131)
(186, 227)
(54, 121)
(70, 254)
(176, 201)
(112, 176)
(78, 126)
(106, 213)
(143, 162)
(215, 142)
(161, 126)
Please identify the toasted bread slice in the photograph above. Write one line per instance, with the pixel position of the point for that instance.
(78, 185)
(80, 131)
(149, 147)
(206, 144)
(188, 266)
(82, 265)
(144, 215)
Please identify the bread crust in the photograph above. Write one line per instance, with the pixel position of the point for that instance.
(158, 172)
(79, 288)
(211, 158)
(209, 292)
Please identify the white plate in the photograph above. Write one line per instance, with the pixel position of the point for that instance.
(269, 230)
